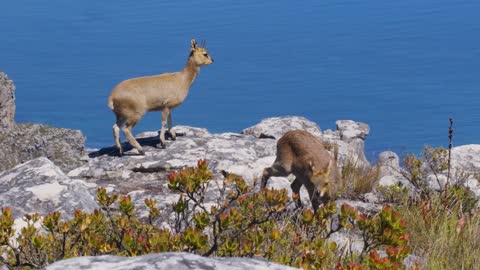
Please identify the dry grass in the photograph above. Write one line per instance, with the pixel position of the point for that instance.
(444, 238)
(358, 179)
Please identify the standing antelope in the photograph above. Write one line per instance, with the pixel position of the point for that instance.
(132, 98)
(302, 154)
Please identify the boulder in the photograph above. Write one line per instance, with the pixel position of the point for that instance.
(164, 261)
(466, 166)
(389, 162)
(350, 130)
(7, 103)
(275, 127)
(65, 147)
(349, 137)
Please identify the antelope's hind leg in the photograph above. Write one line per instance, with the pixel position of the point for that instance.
(275, 170)
(127, 130)
(172, 133)
(165, 114)
(116, 134)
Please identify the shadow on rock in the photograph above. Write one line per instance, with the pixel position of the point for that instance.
(152, 141)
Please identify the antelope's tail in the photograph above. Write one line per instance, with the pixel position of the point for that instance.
(110, 103)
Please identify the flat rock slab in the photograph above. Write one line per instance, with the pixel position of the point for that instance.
(244, 154)
(165, 261)
(39, 186)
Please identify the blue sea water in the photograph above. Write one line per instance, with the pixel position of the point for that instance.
(403, 67)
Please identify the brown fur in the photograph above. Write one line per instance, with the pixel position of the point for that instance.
(132, 98)
(302, 154)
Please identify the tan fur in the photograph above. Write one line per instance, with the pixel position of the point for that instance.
(132, 98)
(302, 154)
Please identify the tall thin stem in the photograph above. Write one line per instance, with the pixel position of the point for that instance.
(450, 138)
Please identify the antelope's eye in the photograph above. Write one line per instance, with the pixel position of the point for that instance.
(205, 54)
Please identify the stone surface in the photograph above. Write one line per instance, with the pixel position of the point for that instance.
(350, 130)
(350, 148)
(466, 166)
(466, 157)
(7, 102)
(39, 186)
(390, 163)
(242, 154)
(164, 261)
(275, 127)
(236, 153)
(64, 147)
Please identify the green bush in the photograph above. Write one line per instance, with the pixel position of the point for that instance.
(241, 223)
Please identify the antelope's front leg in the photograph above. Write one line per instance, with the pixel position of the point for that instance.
(170, 125)
(165, 114)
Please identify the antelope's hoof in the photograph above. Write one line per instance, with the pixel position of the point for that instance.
(171, 135)
(141, 152)
(161, 145)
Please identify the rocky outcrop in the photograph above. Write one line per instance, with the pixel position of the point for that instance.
(145, 176)
(242, 154)
(24, 142)
(7, 103)
(349, 136)
(164, 261)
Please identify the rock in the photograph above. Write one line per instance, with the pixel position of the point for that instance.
(279, 183)
(390, 163)
(7, 102)
(390, 171)
(275, 127)
(64, 147)
(466, 158)
(242, 154)
(366, 208)
(164, 261)
(466, 167)
(350, 141)
(347, 241)
(350, 130)
(236, 153)
(39, 186)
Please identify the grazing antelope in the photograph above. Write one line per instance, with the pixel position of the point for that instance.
(302, 154)
(132, 98)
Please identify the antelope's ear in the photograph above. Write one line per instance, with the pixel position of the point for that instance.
(193, 44)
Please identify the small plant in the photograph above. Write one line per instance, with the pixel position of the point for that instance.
(393, 194)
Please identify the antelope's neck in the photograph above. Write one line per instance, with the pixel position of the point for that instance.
(191, 71)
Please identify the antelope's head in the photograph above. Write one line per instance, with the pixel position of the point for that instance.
(199, 54)
(321, 181)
